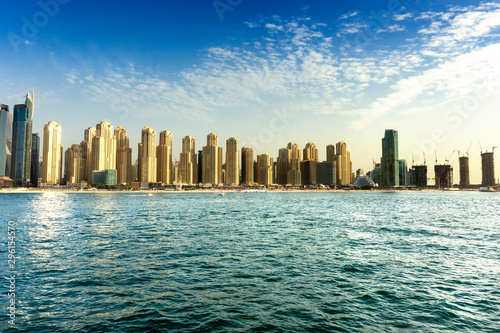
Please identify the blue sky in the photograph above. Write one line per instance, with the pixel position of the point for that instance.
(265, 73)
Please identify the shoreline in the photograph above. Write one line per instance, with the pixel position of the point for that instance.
(226, 191)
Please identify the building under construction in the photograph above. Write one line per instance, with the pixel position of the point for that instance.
(488, 169)
(418, 175)
(464, 172)
(443, 173)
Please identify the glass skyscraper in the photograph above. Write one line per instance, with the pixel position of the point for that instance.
(21, 142)
(5, 140)
(35, 159)
(390, 159)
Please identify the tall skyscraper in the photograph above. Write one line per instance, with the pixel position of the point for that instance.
(188, 167)
(20, 169)
(74, 165)
(147, 155)
(232, 166)
(403, 173)
(310, 152)
(464, 172)
(123, 156)
(35, 159)
(343, 164)
(52, 153)
(289, 165)
(390, 159)
(488, 169)
(5, 141)
(164, 159)
(330, 153)
(104, 147)
(212, 161)
(247, 166)
(265, 169)
(86, 145)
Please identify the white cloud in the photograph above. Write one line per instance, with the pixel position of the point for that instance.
(349, 15)
(402, 17)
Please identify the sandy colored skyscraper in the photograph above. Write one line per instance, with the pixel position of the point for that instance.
(52, 153)
(164, 158)
(265, 169)
(86, 146)
(147, 155)
(104, 147)
(188, 167)
(247, 166)
(212, 161)
(310, 152)
(330, 153)
(343, 164)
(288, 165)
(74, 165)
(232, 166)
(123, 156)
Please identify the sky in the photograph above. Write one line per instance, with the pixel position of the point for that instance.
(265, 73)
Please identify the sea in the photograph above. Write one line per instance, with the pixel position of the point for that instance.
(250, 262)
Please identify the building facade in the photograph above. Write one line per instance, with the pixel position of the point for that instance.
(390, 159)
(20, 169)
(52, 153)
(265, 169)
(147, 156)
(188, 166)
(343, 164)
(123, 156)
(104, 147)
(247, 166)
(35, 159)
(164, 159)
(212, 161)
(5, 141)
(232, 176)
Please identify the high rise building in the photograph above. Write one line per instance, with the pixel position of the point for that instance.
(403, 173)
(283, 161)
(311, 152)
(35, 159)
(123, 156)
(5, 141)
(419, 176)
(488, 169)
(464, 171)
(343, 164)
(247, 166)
(86, 145)
(443, 174)
(20, 170)
(52, 153)
(308, 171)
(265, 169)
(164, 159)
(326, 173)
(232, 177)
(390, 159)
(188, 167)
(289, 165)
(104, 147)
(212, 161)
(330, 153)
(74, 165)
(147, 155)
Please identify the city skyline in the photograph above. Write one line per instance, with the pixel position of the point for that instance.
(294, 72)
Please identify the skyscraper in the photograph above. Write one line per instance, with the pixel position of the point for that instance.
(310, 152)
(343, 164)
(104, 147)
(265, 169)
(288, 167)
(21, 141)
(147, 155)
(5, 141)
(390, 159)
(488, 169)
(35, 159)
(188, 167)
(403, 173)
(52, 153)
(464, 172)
(123, 156)
(330, 153)
(212, 161)
(74, 165)
(232, 166)
(86, 145)
(164, 159)
(247, 166)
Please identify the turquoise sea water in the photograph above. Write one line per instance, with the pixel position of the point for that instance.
(264, 262)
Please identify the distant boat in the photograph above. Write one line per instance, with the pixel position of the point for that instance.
(222, 194)
(150, 194)
(487, 189)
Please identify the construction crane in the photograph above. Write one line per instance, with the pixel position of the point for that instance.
(467, 152)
